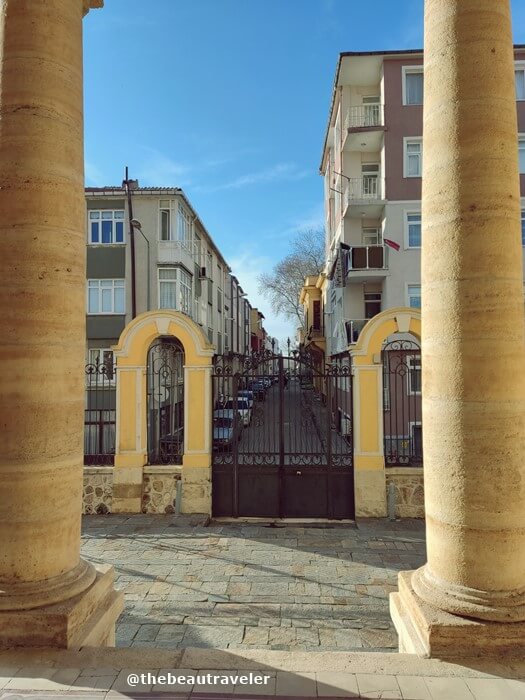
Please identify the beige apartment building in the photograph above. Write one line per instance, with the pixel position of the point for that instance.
(372, 167)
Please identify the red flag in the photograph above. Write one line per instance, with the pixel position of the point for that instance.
(391, 244)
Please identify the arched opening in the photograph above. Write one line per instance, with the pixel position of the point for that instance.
(165, 401)
(402, 425)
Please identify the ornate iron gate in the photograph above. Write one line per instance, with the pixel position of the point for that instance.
(99, 411)
(165, 390)
(402, 403)
(282, 437)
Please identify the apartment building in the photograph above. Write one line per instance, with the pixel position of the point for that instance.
(177, 266)
(372, 167)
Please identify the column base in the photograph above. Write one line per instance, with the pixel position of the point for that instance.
(433, 633)
(88, 619)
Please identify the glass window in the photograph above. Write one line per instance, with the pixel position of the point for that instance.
(165, 225)
(521, 152)
(413, 86)
(106, 227)
(185, 292)
(183, 225)
(414, 230)
(413, 158)
(168, 288)
(520, 83)
(414, 296)
(414, 374)
(106, 297)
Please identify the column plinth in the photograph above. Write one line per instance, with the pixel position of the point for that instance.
(42, 334)
(473, 347)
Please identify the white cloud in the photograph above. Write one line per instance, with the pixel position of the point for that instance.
(281, 171)
(160, 170)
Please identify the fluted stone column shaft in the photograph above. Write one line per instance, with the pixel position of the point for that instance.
(42, 297)
(473, 316)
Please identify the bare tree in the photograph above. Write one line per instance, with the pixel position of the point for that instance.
(283, 285)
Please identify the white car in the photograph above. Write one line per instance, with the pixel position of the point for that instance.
(242, 405)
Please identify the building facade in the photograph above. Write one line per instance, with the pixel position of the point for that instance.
(177, 266)
(372, 168)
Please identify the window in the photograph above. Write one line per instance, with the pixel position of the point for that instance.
(183, 225)
(106, 297)
(519, 75)
(371, 236)
(106, 227)
(413, 158)
(413, 230)
(167, 287)
(521, 153)
(165, 225)
(175, 289)
(185, 292)
(412, 85)
(414, 374)
(523, 227)
(414, 296)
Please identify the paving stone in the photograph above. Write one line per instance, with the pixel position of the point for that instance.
(234, 575)
(210, 637)
(257, 636)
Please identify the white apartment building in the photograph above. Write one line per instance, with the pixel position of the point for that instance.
(372, 166)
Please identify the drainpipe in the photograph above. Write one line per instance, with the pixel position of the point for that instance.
(128, 185)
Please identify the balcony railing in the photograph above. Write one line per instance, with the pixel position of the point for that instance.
(354, 328)
(369, 187)
(364, 116)
(367, 257)
(175, 251)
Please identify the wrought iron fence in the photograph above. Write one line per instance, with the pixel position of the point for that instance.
(100, 412)
(402, 404)
(165, 387)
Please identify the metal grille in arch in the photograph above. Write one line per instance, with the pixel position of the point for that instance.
(402, 425)
(165, 394)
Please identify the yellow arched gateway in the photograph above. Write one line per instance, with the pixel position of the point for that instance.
(131, 354)
(369, 460)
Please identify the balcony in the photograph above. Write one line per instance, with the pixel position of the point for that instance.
(364, 195)
(186, 252)
(367, 263)
(364, 126)
(365, 117)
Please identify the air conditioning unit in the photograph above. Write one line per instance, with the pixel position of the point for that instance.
(202, 273)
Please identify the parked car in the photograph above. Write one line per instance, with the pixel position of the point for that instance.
(258, 388)
(242, 405)
(227, 427)
(247, 394)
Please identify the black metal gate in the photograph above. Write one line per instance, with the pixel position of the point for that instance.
(282, 437)
(100, 411)
(402, 403)
(165, 390)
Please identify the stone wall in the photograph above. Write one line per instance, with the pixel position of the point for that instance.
(408, 482)
(97, 494)
(159, 488)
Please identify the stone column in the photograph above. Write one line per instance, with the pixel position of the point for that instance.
(472, 341)
(42, 297)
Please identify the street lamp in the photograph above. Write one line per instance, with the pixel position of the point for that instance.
(135, 223)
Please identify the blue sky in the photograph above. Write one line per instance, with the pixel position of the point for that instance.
(229, 99)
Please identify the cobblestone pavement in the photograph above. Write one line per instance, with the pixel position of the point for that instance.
(317, 588)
